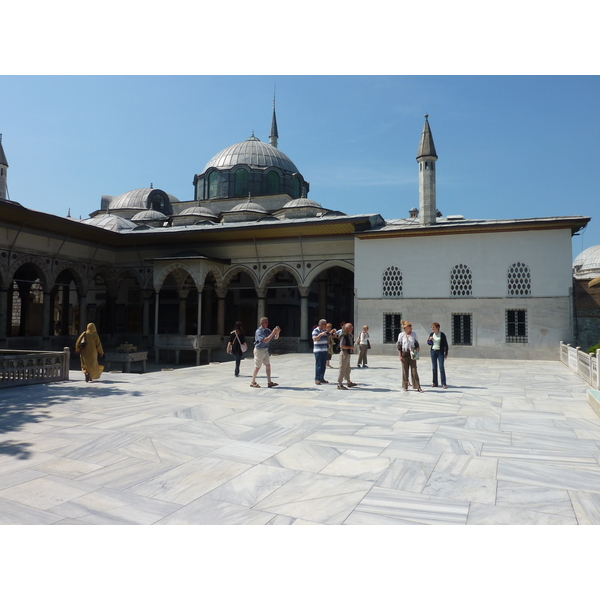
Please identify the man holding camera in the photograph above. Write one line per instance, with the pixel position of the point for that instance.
(262, 338)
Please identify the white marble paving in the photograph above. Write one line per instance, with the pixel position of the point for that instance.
(510, 442)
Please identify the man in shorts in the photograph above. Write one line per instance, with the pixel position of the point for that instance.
(262, 338)
(346, 349)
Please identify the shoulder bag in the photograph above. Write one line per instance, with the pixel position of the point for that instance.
(243, 347)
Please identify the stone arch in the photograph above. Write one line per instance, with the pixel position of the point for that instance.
(4, 279)
(325, 266)
(239, 269)
(126, 273)
(176, 269)
(216, 273)
(270, 273)
(39, 266)
(75, 270)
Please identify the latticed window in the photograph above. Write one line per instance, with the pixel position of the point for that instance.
(392, 283)
(213, 181)
(273, 182)
(461, 281)
(392, 326)
(241, 182)
(519, 280)
(462, 329)
(516, 325)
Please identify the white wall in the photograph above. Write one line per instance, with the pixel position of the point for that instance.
(426, 262)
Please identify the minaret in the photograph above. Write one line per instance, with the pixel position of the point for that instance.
(426, 158)
(273, 136)
(3, 173)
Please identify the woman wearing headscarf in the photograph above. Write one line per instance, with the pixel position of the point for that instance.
(88, 347)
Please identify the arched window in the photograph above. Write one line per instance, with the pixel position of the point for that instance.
(519, 280)
(241, 182)
(296, 187)
(213, 180)
(392, 283)
(461, 281)
(273, 182)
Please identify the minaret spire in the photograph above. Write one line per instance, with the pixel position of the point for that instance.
(274, 135)
(426, 157)
(3, 173)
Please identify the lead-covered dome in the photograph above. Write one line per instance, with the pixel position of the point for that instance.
(110, 222)
(253, 153)
(144, 199)
(587, 263)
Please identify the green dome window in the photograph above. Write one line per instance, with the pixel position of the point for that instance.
(273, 182)
(241, 182)
(213, 180)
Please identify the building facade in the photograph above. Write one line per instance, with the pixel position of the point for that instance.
(252, 243)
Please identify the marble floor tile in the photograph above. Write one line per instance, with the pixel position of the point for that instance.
(586, 506)
(538, 499)
(146, 512)
(540, 475)
(124, 474)
(543, 455)
(442, 443)
(474, 435)
(304, 456)
(355, 463)
(348, 442)
(461, 487)
(45, 492)
(429, 457)
(471, 466)
(250, 452)
(316, 497)
(483, 514)
(208, 511)
(16, 513)
(252, 485)
(483, 423)
(283, 520)
(21, 476)
(406, 475)
(66, 467)
(383, 506)
(110, 442)
(185, 483)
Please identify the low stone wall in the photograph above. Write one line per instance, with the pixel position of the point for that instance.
(25, 367)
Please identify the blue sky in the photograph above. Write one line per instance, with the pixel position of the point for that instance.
(508, 146)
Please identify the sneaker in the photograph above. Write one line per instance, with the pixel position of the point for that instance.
(445, 387)
(317, 383)
(352, 384)
(273, 384)
(254, 384)
(323, 381)
(341, 387)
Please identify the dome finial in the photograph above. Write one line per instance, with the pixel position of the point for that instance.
(426, 117)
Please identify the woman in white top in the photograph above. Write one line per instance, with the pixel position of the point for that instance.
(408, 344)
(363, 345)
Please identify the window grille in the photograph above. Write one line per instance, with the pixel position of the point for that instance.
(516, 326)
(392, 283)
(519, 280)
(461, 281)
(462, 329)
(392, 326)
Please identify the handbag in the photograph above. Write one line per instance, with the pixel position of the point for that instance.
(243, 347)
(229, 348)
(82, 343)
(368, 345)
(414, 354)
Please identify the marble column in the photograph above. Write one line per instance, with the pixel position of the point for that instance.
(182, 305)
(199, 326)
(221, 293)
(156, 304)
(46, 317)
(82, 311)
(3, 313)
(304, 292)
(262, 304)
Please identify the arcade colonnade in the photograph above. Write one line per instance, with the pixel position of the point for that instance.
(44, 301)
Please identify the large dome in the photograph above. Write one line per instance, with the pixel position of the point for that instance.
(141, 199)
(253, 153)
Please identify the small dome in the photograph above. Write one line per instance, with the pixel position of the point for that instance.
(149, 215)
(198, 211)
(249, 206)
(252, 153)
(302, 203)
(110, 222)
(588, 261)
(143, 199)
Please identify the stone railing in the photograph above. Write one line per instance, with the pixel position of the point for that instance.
(24, 367)
(585, 365)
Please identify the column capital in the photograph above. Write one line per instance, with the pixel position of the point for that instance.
(304, 291)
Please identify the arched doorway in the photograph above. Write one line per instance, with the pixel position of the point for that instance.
(332, 296)
(210, 306)
(283, 302)
(241, 303)
(25, 303)
(64, 305)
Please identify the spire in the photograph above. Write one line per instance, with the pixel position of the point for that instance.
(274, 135)
(3, 160)
(426, 147)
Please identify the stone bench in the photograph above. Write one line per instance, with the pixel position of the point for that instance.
(177, 343)
(126, 358)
